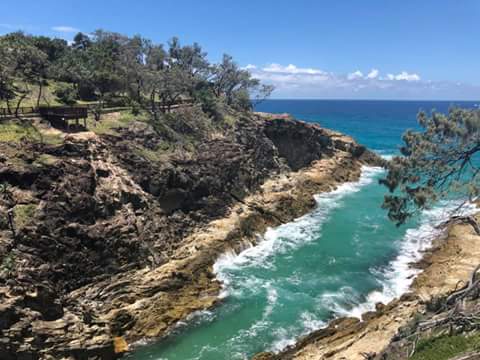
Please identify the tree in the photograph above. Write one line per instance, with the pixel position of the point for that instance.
(108, 67)
(7, 80)
(81, 42)
(67, 94)
(190, 59)
(440, 160)
(235, 84)
(103, 66)
(53, 48)
(166, 86)
(173, 83)
(23, 65)
(261, 93)
(135, 56)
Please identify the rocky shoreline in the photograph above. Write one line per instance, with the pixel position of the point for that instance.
(451, 259)
(280, 199)
(119, 241)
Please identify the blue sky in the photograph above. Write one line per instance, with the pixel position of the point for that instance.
(406, 49)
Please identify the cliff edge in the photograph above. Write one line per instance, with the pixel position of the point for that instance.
(109, 236)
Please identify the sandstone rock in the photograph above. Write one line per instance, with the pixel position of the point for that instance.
(110, 254)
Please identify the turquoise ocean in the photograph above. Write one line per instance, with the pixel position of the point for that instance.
(338, 260)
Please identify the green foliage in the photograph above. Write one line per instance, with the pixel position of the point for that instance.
(233, 83)
(46, 160)
(446, 347)
(110, 68)
(15, 132)
(23, 214)
(81, 41)
(7, 267)
(441, 158)
(53, 48)
(22, 65)
(66, 94)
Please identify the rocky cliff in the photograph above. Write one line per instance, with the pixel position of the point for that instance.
(109, 237)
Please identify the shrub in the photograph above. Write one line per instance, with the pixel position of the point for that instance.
(66, 94)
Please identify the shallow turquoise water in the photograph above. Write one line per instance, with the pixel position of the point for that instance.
(338, 260)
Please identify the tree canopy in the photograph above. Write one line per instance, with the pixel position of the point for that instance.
(110, 67)
(440, 160)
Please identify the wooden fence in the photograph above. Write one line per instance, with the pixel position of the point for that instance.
(60, 115)
(23, 110)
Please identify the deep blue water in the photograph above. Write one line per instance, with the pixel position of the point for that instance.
(376, 124)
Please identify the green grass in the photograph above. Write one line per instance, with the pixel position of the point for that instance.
(52, 139)
(46, 160)
(445, 347)
(109, 123)
(14, 132)
(7, 266)
(148, 154)
(10, 132)
(23, 214)
(47, 98)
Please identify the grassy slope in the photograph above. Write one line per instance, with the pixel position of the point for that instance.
(446, 347)
(12, 131)
(48, 97)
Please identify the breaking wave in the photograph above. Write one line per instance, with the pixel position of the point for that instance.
(239, 273)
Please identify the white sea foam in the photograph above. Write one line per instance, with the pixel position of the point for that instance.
(283, 339)
(289, 236)
(310, 322)
(280, 240)
(397, 277)
(385, 154)
(387, 157)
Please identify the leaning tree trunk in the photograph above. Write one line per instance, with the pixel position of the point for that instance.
(9, 107)
(40, 88)
(17, 109)
(153, 107)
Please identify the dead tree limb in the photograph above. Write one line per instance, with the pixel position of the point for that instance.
(473, 282)
(414, 347)
(469, 220)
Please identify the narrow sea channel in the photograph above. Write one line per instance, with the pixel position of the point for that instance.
(338, 260)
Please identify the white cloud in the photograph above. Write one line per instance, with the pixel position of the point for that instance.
(405, 76)
(291, 69)
(65, 29)
(355, 75)
(291, 81)
(373, 74)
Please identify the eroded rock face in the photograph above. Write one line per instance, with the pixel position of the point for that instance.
(100, 254)
(302, 143)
